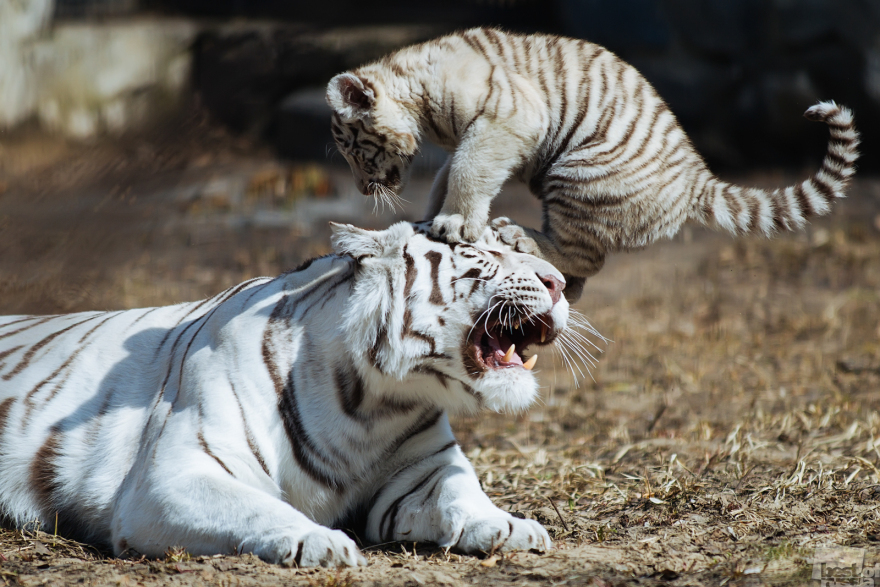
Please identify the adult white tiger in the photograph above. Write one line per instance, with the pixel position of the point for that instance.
(585, 131)
(257, 419)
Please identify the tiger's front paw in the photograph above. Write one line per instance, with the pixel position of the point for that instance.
(454, 228)
(503, 533)
(515, 236)
(321, 547)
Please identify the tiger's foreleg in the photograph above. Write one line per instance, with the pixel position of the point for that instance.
(197, 504)
(574, 267)
(439, 499)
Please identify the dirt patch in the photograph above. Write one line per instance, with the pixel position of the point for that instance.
(729, 429)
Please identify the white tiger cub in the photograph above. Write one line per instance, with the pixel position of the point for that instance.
(255, 420)
(583, 129)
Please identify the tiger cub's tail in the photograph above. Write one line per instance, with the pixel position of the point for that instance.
(741, 210)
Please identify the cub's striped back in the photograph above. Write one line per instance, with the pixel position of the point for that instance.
(582, 128)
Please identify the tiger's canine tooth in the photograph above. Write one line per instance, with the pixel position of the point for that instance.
(543, 332)
(509, 354)
(530, 364)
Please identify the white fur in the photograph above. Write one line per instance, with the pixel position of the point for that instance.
(172, 426)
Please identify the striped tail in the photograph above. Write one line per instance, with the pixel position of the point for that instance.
(741, 210)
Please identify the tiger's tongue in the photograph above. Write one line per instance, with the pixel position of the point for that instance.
(499, 347)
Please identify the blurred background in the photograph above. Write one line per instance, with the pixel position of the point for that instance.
(154, 151)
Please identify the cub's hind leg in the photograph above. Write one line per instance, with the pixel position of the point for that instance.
(575, 260)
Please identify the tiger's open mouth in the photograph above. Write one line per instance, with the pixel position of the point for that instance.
(497, 344)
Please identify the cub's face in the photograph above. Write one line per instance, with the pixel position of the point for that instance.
(379, 161)
(375, 135)
(463, 320)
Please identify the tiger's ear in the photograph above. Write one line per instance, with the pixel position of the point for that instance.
(349, 96)
(360, 243)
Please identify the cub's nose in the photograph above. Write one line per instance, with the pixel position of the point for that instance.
(553, 285)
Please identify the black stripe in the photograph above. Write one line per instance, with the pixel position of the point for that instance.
(835, 158)
(43, 477)
(492, 36)
(421, 425)
(371, 504)
(845, 142)
(823, 187)
(350, 390)
(300, 441)
(26, 359)
(285, 390)
(28, 327)
(803, 200)
(390, 514)
(778, 217)
(27, 318)
(171, 362)
(142, 316)
(247, 432)
(326, 297)
(453, 118)
(97, 326)
(472, 273)
(754, 208)
(204, 320)
(373, 353)
(411, 273)
(28, 398)
(659, 109)
(828, 170)
(204, 445)
(427, 369)
(227, 294)
(476, 46)
(436, 296)
(838, 125)
(5, 408)
(255, 290)
(8, 352)
(241, 286)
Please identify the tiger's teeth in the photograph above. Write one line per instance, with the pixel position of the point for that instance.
(530, 364)
(543, 332)
(509, 354)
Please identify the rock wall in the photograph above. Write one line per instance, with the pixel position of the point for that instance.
(84, 78)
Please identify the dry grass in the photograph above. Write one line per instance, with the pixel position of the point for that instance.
(729, 429)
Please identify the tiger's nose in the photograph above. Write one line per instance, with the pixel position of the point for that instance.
(553, 285)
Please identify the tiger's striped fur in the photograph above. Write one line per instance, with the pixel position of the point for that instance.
(585, 131)
(259, 418)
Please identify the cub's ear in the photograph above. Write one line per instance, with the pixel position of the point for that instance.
(360, 243)
(349, 96)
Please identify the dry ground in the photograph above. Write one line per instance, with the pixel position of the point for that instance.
(729, 429)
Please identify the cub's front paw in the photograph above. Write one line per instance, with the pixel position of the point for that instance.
(503, 533)
(321, 547)
(514, 235)
(455, 228)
